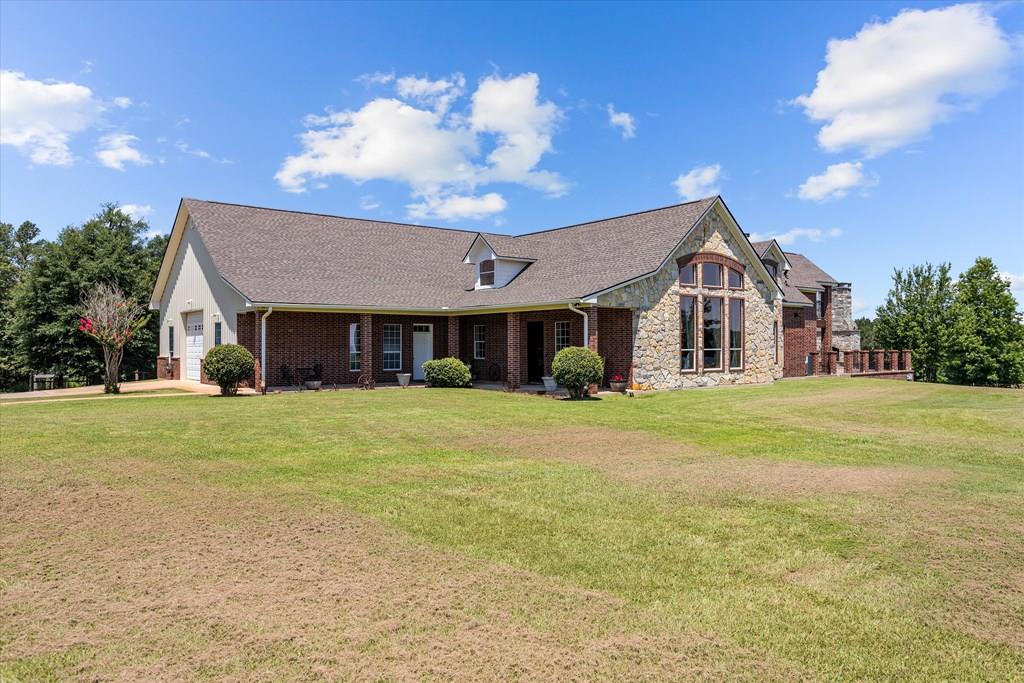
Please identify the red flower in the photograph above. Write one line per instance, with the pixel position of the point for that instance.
(617, 377)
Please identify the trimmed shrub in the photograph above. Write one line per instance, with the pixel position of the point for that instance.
(227, 365)
(446, 372)
(576, 368)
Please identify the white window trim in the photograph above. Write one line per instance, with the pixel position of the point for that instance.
(355, 334)
(384, 338)
(494, 274)
(480, 342)
(568, 334)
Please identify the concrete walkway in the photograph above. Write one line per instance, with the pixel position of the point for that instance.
(126, 388)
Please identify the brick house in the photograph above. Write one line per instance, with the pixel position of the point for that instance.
(670, 298)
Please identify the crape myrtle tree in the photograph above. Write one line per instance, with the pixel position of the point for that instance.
(986, 340)
(917, 315)
(112, 319)
(111, 247)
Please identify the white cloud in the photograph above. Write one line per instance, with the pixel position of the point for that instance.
(375, 78)
(137, 211)
(836, 182)
(892, 82)
(87, 66)
(791, 236)
(185, 148)
(1016, 281)
(122, 102)
(860, 306)
(701, 181)
(414, 139)
(623, 120)
(455, 207)
(38, 118)
(155, 232)
(368, 202)
(438, 94)
(116, 150)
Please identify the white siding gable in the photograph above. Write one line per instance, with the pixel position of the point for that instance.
(505, 270)
(194, 285)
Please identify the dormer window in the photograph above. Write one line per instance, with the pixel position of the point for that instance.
(487, 273)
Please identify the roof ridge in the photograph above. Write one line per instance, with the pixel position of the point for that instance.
(333, 215)
(612, 218)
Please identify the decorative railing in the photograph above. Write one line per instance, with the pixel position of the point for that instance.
(869, 362)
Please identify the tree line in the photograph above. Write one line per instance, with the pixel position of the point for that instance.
(967, 331)
(42, 284)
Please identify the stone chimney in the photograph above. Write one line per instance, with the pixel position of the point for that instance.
(845, 335)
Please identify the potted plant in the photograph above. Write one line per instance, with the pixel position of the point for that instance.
(314, 378)
(550, 385)
(617, 382)
(403, 378)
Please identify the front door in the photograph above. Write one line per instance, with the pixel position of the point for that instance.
(534, 352)
(193, 344)
(422, 348)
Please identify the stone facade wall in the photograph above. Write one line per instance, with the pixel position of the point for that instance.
(656, 318)
(845, 335)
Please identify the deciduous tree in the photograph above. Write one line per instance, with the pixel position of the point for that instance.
(916, 315)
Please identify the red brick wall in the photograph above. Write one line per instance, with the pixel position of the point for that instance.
(549, 318)
(440, 324)
(247, 325)
(800, 338)
(300, 340)
(162, 371)
(495, 350)
(615, 341)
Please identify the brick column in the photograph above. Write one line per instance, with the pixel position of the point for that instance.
(907, 355)
(815, 368)
(826, 314)
(513, 334)
(366, 344)
(864, 361)
(893, 359)
(453, 336)
(592, 338)
(879, 360)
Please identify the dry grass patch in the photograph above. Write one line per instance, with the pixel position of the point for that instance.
(159, 577)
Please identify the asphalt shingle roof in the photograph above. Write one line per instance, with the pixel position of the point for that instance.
(275, 256)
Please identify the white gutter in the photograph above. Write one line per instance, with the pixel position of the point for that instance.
(586, 324)
(263, 349)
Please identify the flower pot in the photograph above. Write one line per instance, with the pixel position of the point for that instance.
(618, 387)
(312, 384)
(404, 378)
(550, 384)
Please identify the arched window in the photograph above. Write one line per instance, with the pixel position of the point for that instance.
(487, 273)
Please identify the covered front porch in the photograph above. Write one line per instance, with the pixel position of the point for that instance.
(512, 348)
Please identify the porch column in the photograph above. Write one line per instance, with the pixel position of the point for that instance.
(513, 335)
(453, 336)
(592, 340)
(366, 344)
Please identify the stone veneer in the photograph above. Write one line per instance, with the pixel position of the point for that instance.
(845, 335)
(656, 318)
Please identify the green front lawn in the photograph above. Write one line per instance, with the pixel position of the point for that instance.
(830, 529)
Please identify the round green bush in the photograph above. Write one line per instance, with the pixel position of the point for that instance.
(227, 365)
(446, 372)
(576, 368)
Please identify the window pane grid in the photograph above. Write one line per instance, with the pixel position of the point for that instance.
(479, 342)
(561, 335)
(393, 347)
(355, 348)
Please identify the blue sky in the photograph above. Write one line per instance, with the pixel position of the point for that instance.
(901, 143)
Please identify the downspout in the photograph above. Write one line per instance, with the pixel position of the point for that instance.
(586, 324)
(263, 348)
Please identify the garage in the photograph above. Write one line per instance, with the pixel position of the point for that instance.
(193, 344)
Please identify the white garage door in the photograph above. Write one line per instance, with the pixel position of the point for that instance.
(193, 344)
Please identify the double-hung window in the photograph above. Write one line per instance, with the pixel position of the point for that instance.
(487, 273)
(561, 335)
(355, 348)
(735, 334)
(392, 348)
(688, 343)
(712, 333)
(479, 342)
